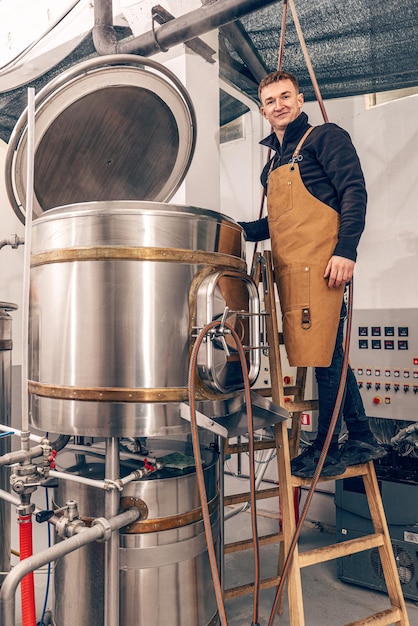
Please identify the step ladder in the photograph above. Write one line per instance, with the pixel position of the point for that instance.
(285, 448)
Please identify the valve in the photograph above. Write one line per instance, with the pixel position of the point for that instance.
(44, 516)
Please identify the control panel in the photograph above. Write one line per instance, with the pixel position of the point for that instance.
(384, 358)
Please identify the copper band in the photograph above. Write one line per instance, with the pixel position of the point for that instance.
(132, 253)
(165, 523)
(109, 394)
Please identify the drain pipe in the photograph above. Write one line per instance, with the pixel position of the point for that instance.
(111, 588)
(176, 31)
(100, 530)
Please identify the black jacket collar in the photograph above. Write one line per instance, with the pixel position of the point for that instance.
(292, 133)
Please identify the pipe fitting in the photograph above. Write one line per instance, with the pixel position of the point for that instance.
(106, 527)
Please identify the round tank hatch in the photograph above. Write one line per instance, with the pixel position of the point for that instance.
(112, 128)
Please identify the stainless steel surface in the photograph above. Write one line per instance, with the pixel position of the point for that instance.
(164, 575)
(110, 335)
(84, 536)
(218, 362)
(232, 414)
(110, 128)
(5, 418)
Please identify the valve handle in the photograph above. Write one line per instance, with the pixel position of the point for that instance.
(43, 516)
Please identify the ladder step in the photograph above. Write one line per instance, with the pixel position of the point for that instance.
(238, 448)
(242, 590)
(337, 550)
(262, 494)
(350, 472)
(384, 618)
(264, 540)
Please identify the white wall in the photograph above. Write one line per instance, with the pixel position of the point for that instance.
(11, 261)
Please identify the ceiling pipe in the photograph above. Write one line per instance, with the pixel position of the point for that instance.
(239, 39)
(177, 31)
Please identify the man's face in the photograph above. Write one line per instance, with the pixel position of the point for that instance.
(281, 104)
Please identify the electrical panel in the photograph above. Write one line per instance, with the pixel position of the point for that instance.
(384, 358)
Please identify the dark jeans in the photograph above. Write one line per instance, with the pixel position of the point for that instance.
(328, 379)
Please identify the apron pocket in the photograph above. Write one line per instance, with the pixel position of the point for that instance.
(279, 197)
(293, 282)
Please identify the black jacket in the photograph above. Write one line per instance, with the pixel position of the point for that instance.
(330, 170)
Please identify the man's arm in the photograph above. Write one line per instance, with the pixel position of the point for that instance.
(257, 230)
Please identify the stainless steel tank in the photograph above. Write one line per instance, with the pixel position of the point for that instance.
(6, 345)
(164, 566)
(120, 285)
(120, 281)
(114, 287)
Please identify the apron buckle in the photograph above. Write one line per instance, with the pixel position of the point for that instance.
(306, 319)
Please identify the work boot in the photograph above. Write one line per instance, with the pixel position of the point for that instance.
(305, 464)
(355, 452)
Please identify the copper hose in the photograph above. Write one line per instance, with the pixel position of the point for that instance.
(200, 476)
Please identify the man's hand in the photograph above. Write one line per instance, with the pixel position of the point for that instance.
(338, 271)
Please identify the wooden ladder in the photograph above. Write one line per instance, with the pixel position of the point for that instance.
(285, 449)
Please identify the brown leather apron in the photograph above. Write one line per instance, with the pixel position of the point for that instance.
(303, 232)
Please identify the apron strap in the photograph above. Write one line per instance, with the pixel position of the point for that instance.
(298, 147)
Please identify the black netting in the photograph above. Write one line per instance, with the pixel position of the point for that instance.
(355, 46)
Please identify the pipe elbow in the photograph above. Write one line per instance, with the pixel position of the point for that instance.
(104, 39)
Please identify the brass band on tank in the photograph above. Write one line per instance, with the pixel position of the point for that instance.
(165, 523)
(108, 394)
(132, 253)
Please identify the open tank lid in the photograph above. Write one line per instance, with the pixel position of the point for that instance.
(117, 127)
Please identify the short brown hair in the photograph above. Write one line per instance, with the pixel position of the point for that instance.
(274, 77)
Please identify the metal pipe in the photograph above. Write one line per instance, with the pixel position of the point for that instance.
(30, 164)
(101, 529)
(111, 582)
(100, 484)
(240, 40)
(181, 29)
(20, 456)
(14, 241)
(9, 497)
(15, 431)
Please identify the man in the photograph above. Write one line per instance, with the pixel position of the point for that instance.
(316, 201)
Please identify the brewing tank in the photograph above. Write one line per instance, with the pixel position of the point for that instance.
(163, 560)
(115, 287)
(121, 284)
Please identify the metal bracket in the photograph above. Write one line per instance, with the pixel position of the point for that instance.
(162, 16)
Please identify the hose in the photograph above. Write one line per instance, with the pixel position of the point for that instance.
(200, 476)
(27, 584)
(323, 454)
